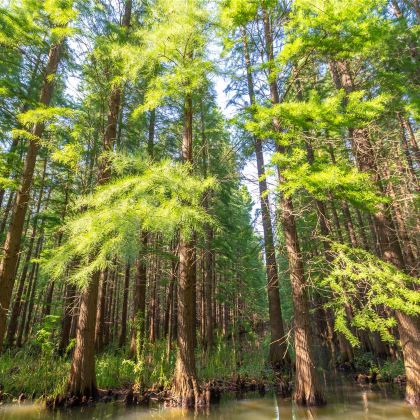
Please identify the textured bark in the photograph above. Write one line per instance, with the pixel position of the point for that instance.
(82, 376)
(409, 331)
(185, 386)
(82, 380)
(278, 355)
(14, 235)
(408, 327)
(307, 388)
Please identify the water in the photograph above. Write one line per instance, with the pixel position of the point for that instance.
(346, 401)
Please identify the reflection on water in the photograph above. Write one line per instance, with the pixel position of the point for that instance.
(346, 401)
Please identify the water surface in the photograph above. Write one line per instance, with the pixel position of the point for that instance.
(346, 401)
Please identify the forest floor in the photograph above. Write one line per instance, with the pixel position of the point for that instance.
(36, 373)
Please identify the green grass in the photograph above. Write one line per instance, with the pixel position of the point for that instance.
(36, 370)
(30, 373)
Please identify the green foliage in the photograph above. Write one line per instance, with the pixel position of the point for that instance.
(43, 336)
(161, 198)
(323, 180)
(28, 373)
(371, 287)
(335, 28)
(173, 43)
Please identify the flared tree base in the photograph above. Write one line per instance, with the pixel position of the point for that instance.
(186, 392)
(309, 399)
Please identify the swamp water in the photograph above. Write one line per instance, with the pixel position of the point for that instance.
(346, 400)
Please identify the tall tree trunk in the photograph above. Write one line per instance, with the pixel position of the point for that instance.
(408, 327)
(185, 387)
(14, 235)
(16, 308)
(278, 355)
(82, 379)
(307, 388)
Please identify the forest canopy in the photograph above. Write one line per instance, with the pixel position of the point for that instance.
(202, 189)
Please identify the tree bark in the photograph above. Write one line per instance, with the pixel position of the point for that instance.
(278, 355)
(82, 380)
(82, 376)
(185, 388)
(14, 235)
(408, 327)
(307, 388)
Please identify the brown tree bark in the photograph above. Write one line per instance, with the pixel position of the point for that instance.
(82, 379)
(307, 388)
(278, 355)
(16, 308)
(13, 238)
(408, 327)
(185, 387)
(69, 303)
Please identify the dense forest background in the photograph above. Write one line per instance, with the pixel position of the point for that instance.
(134, 254)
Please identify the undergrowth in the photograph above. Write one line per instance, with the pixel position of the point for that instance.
(36, 370)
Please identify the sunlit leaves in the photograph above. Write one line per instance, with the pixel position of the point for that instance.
(372, 288)
(162, 198)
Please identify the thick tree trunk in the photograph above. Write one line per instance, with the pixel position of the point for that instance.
(409, 331)
(82, 376)
(307, 388)
(408, 327)
(82, 380)
(185, 387)
(14, 235)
